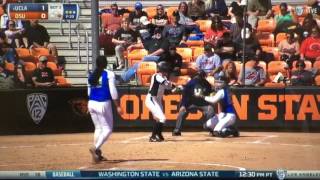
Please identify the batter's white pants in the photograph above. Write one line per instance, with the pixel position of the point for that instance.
(102, 118)
(155, 106)
(221, 121)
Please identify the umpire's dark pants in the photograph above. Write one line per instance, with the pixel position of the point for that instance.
(207, 111)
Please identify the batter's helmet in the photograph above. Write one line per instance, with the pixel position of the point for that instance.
(163, 66)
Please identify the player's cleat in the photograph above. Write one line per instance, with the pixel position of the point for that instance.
(234, 131)
(99, 153)
(95, 157)
(154, 139)
(176, 132)
(160, 137)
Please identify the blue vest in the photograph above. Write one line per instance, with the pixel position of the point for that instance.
(226, 102)
(101, 92)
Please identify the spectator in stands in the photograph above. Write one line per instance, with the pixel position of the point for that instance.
(175, 32)
(156, 46)
(209, 62)
(6, 78)
(7, 52)
(174, 60)
(258, 9)
(310, 47)
(315, 10)
(289, 49)
(302, 77)
(123, 38)
(196, 9)
(43, 76)
(216, 7)
(134, 17)
(15, 36)
(253, 76)
(225, 47)
(160, 20)
(111, 22)
(38, 37)
(235, 28)
(185, 20)
(284, 19)
(145, 29)
(252, 48)
(216, 31)
(230, 73)
(235, 10)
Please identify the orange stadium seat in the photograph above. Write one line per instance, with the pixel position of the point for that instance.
(195, 43)
(280, 37)
(204, 25)
(170, 11)
(274, 67)
(186, 54)
(136, 55)
(197, 52)
(273, 50)
(9, 67)
(180, 80)
(29, 67)
(54, 68)
(266, 25)
(308, 65)
(61, 81)
(188, 68)
(317, 80)
(145, 71)
(25, 55)
(266, 39)
(151, 11)
(40, 52)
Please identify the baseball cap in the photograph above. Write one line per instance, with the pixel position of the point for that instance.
(208, 47)
(144, 20)
(138, 6)
(43, 58)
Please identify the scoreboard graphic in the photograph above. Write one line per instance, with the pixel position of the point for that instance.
(43, 11)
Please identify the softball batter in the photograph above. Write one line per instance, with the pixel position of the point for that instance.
(101, 91)
(159, 84)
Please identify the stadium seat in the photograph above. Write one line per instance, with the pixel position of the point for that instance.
(186, 54)
(280, 37)
(188, 68)
(29, 67)
(136, 55)
(25, 55)
(40, 52)
(308, 65)
(180, 80)
(276, 9)
(9, 67)
(145, 71)
(54, 68)
(274, 67)
(170, 11)
(151, 11)
(266, 39)
(273, 50)
(61, 81)
(317, 80)
(197, 52)
(195, 43)
(266, 25)
(204, 25)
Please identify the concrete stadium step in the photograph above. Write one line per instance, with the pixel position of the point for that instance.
(76, 81)
(74, 45)
(56, 25)
(77, 66)
(61, 39)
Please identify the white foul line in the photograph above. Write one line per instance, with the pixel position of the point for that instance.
(260, 141)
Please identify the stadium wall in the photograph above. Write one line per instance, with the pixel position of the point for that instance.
(64, 110)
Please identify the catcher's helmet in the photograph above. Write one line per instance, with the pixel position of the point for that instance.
(163, 66)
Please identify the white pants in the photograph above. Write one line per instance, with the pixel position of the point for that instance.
(155, 106)
(221, 121)
(102, 118)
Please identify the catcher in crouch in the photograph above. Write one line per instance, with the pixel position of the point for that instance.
(222, 124)
(158, 85)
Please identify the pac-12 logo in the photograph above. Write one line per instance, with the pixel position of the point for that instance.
(37, 104)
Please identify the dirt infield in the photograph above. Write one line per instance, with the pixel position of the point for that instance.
(192, 151)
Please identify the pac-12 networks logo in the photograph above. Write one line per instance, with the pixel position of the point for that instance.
(37, 104)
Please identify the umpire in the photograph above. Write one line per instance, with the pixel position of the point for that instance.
(191, 103)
